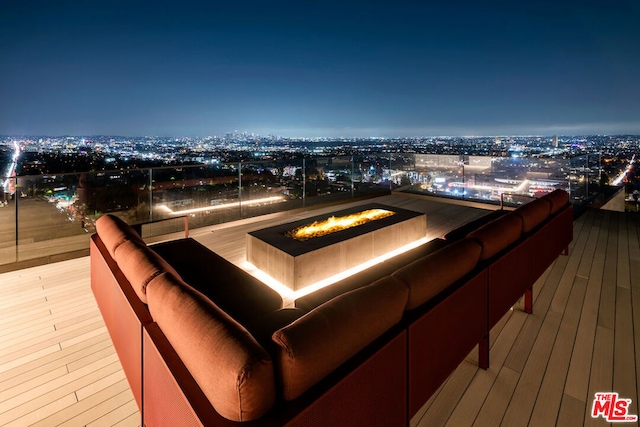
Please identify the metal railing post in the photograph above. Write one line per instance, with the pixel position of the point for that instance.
(16, 196)
(240, 188)
(600, 170)
(390, 173)
(464, 181)
(150, 194)
(586, 178)
(352, 184)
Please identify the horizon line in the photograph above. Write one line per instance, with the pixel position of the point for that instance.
(337, 137)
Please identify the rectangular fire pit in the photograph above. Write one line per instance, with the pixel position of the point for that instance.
(297, 264)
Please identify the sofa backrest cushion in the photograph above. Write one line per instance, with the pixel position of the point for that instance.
(113, 232)
(231, 368)
(432, 274)
(558, 199)
(497, 234)
(316, 344)
(140, 264)
(533, 214)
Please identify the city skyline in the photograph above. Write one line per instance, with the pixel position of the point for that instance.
(361, 69)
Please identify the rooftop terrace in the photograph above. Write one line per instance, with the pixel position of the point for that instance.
(57, 365)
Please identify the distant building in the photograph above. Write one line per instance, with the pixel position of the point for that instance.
(555, 141)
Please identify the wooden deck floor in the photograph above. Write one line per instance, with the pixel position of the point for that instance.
(57, 365)
(583, 337)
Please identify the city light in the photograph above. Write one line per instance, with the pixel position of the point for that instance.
(9, 183)
(174, 176)
(618, 180)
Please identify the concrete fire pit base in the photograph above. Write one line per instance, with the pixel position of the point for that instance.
(297, 264)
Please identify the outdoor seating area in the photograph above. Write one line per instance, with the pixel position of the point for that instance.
(415, 324)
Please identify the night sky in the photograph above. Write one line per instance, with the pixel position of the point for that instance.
(321, 68)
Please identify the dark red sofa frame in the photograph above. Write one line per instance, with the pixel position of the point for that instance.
(385, 384)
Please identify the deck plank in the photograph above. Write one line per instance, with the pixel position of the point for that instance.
(92, 408)
(547, 405)
(572, 412)
(634, 273)
(80, 355)
(622, 268)
(526, 391)
(61, 356)
(577, 382)
(123, 415)
(624, 374)
(498, 398)
(522, 347)
(601, 373)
(21, 403)
(441, 408)
(607, 313)
(483, 381)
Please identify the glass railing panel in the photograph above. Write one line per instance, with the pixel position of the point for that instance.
(175, 227)
(271, 186)
(479, 179)
(485, 178)
(515, 199)
(57, 213)
(329, 179)
(579, 179)
(207, 193)
(125, 194)
(594, 177)
(371, 173)
(53, 214)
(340, 178)
(50, 220)
(435, 174)
(368, 174)
(532, 177)
(529, 176)
(401, 165)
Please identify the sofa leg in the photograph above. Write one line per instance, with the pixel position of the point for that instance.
(483, 352)
(565, 251)
(528, 301)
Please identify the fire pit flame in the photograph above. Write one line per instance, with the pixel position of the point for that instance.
(333, 224)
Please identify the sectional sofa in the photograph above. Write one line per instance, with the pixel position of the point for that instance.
(204, 343)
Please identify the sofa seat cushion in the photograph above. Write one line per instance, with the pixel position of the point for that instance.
(320, 341)
(232, 369)
(140, 265)
(497, 234)
(113, 232)
(533, 214)
(432, 274)
(235, 291)
(558, 199)
(462, 231)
